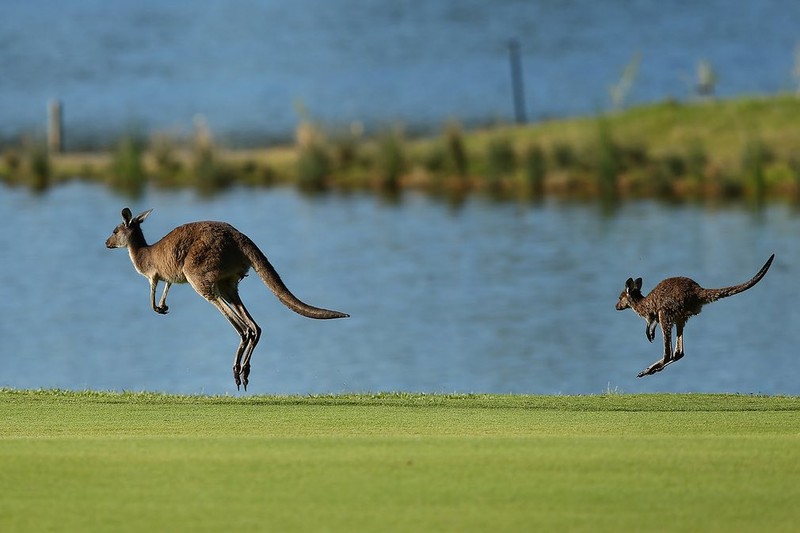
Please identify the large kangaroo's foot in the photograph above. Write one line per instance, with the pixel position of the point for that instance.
(236, 378)
(240, 375)
(244, 374)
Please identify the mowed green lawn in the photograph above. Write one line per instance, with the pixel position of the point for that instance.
(149, 462)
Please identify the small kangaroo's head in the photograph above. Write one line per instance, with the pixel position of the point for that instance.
(631, 294)
(129, 229)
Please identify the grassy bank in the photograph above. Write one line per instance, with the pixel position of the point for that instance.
(742, 148)
(84, 461)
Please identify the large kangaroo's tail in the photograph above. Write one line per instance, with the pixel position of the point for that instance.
(271, 279)
(712, 295)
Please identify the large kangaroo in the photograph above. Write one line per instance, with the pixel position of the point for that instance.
(212, 257)
(674, 301)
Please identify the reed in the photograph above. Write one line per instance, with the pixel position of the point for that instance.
(127, 170)
(456, 150)
(28, 164)
(313, 167)
(535, 170)
(501, 162)
(12, 161)
(209, 172)
(755, 157)
(563, 156)
(168, 167)
(607, 161)
(391, 161)
(794, 168)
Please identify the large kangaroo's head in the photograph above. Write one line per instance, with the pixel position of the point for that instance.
(631, 294)
(129, 228)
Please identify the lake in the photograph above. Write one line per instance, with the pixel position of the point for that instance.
(250, 67)
(484, 297)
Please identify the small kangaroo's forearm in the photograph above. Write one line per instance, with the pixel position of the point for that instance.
(650, 330)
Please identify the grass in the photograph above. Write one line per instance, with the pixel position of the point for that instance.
(398, 462)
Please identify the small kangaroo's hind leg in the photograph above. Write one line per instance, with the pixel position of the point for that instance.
(678, 341)
(666, 331)
(252, 332)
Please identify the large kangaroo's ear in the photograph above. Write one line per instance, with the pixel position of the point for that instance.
(638, 284)
(126, 215)
(629, 286)
(141, 216)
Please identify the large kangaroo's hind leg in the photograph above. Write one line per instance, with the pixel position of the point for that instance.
(213, 292)
(252, 332)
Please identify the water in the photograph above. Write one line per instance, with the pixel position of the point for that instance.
(488, 297)
(245, 66)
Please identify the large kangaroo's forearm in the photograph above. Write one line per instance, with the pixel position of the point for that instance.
(162, 307)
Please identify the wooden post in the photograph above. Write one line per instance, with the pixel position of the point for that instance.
(55, 128)
(516, 82)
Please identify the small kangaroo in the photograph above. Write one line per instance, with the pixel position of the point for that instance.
(212, 257)
(674, 301)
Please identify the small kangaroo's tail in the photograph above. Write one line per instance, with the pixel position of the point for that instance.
(712, 295)
(271, 279)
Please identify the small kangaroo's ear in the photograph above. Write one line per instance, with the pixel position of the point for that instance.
(638, 284)
(141, 216)
(629, 284)
(126, 215)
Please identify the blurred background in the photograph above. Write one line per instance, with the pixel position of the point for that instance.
(472, 181)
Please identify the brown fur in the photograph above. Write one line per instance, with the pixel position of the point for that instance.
(212, 257)
(674, 301)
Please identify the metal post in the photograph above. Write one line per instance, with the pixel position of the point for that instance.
(516, 82)
(55, 131)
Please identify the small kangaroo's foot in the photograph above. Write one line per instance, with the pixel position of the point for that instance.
(162, 309)
(658, 366)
